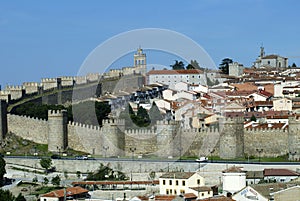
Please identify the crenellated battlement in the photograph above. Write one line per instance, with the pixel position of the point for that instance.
(13, 87)
(4, 92)
(165, 122)
(52, 113)
(140, 132)
(261, 130)
(201, 130)
(30, 84)
(84, 126)
(67, 78)
(24, 117)
(49, 80)
(109, 122)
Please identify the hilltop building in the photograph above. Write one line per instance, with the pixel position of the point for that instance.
(272, 60)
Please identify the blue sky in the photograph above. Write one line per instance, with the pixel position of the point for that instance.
(52, 38)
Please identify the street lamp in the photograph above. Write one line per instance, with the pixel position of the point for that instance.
(293, 153)
(259, 151)
(132, 149)
(105, 148)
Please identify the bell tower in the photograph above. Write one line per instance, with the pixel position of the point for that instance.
(140, 61)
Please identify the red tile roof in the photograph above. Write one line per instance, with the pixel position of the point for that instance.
(218, 198)
(178, 175)
(190, 195)
(69, 191)
(279, 172)
(114, 182)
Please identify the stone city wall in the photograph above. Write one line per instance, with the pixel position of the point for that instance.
(274, 142)
(32, 129)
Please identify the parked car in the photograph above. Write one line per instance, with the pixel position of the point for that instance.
(81, 158)
(55, 156)
(202, 159)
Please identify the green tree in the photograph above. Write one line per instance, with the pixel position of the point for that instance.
(78, 173)
(66, 174)
(152, 175)
(294, 65)
(105, 173)
(55, 180)
(6, 195)
(20, 197)
(143, 118)
(194, 65)
(224, 66)
(154, 114)
(35, 179)
(2, 170)
(179, 65)
(46, 180)
(253, 118)
(46, 163)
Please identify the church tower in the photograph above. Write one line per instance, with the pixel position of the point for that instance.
(140, 62)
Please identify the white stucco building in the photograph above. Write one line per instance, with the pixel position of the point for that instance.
(180, 183)
(234, 179)
(172, 77)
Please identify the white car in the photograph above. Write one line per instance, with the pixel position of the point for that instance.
(202, 159)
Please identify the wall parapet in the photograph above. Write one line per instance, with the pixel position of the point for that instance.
(84, 126)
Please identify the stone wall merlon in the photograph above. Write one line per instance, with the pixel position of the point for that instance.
(56, 112)
(27, 117)
(86, 126)
(14, 87)
(4, 92)
(258, 130)
(31, 84)
(140, 131)
(49, 79)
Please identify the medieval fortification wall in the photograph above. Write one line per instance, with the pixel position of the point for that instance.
(165, 139)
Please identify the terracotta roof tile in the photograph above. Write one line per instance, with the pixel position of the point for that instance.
(178, 175)
(279, 172)
(218, 198)
(69, 191)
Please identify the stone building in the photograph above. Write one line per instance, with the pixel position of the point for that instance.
(272, 60)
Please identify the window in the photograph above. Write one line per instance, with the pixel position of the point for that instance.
(164, 182)
(167, 191)
(183, 183)
(176, 182)
(202, 194)
(175, 192)
(193, 76)
(269, 62)
(198, 181)
(182, 191)
(170, 182)
(171, 192)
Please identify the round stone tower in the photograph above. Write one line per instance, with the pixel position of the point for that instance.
(3, 119)
(57, 131)
(166, 131)
(232, 138)
(294, 138)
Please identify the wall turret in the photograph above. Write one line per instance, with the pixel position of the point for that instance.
(57, 130)
(166, 131)
(232, 138)
(294, 138)
(3, 119)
